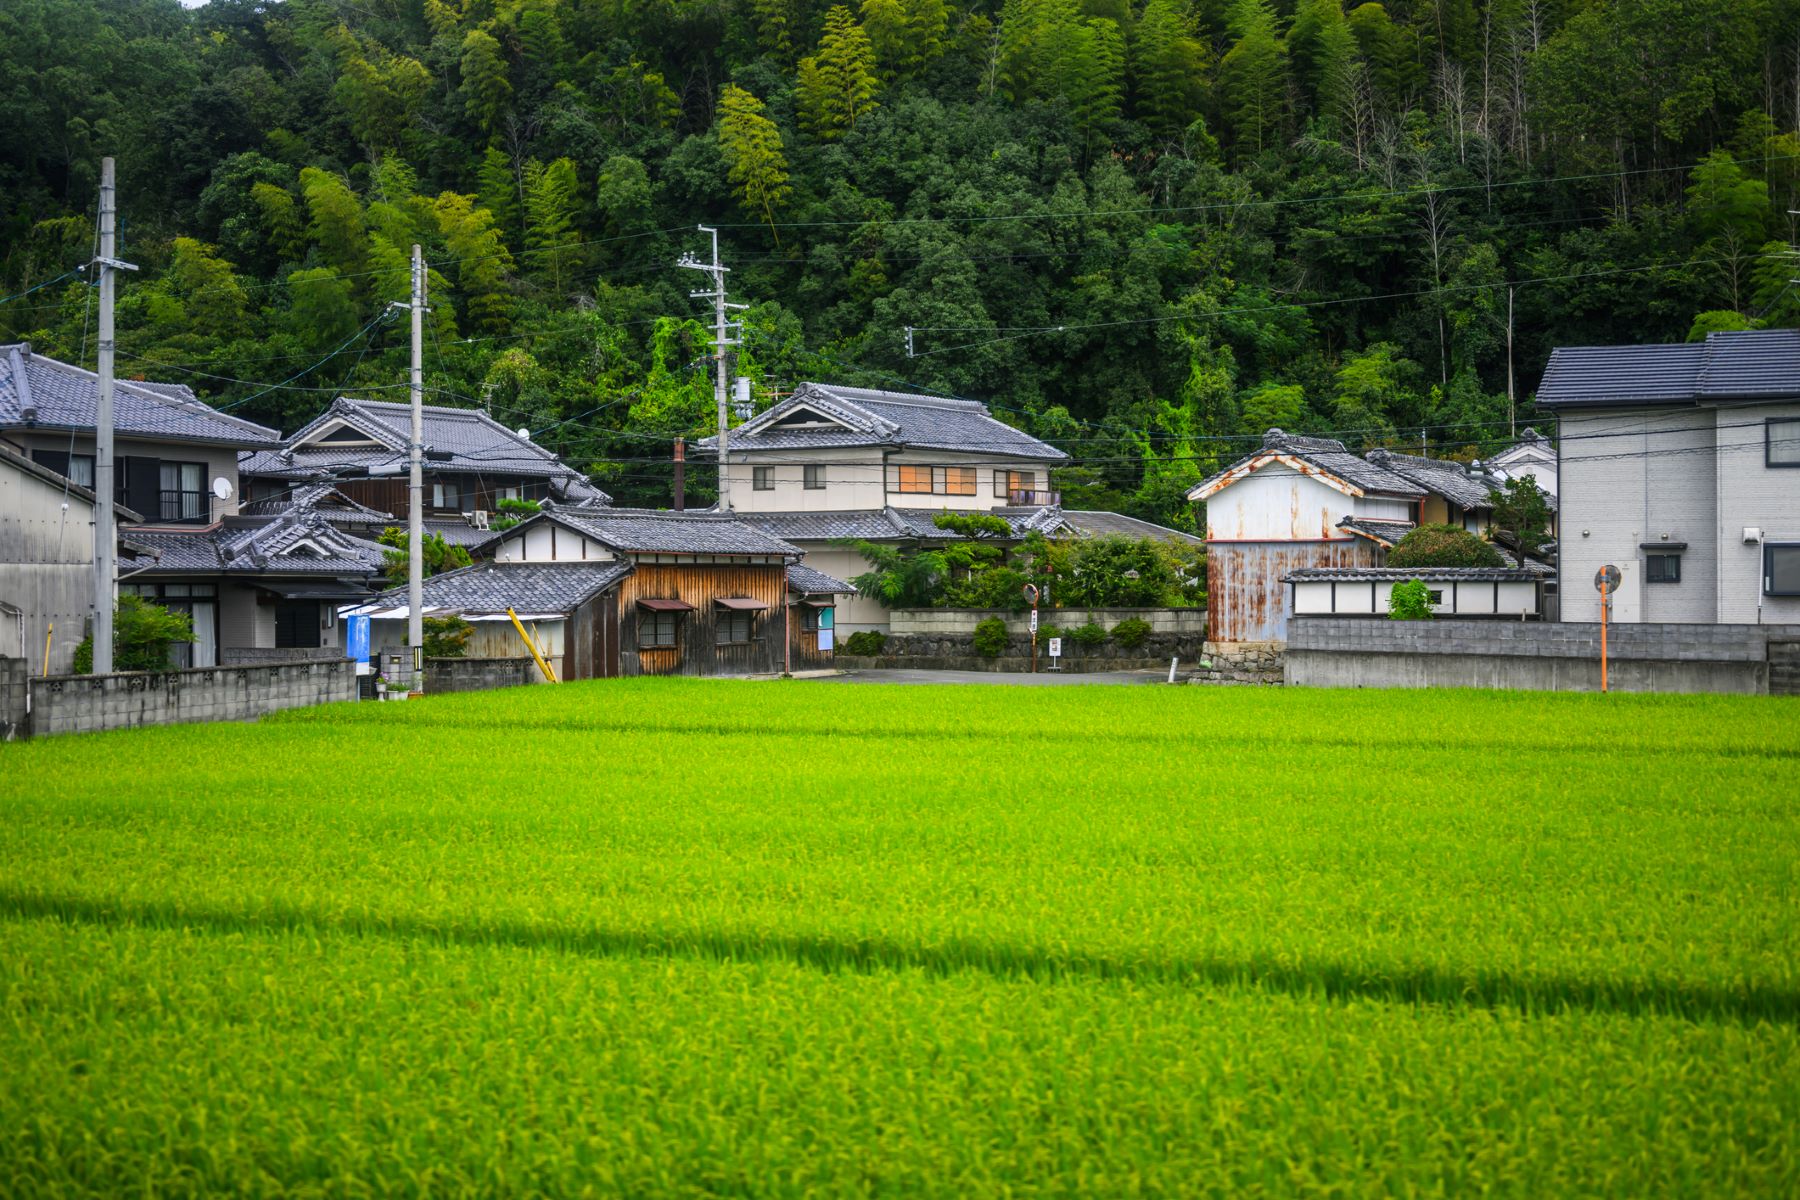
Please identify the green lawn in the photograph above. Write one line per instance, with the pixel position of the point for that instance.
(686, 937)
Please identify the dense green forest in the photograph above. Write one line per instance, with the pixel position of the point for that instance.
(1143, 229)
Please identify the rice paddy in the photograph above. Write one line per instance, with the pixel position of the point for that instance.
(678, 937)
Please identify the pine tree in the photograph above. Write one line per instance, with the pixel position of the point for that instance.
(1253, 79)
(1169, 62)
(754, 160)
(550, 202)
(837, 86)
(486, 90)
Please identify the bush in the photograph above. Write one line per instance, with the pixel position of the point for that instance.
(1443, 546)
(1410, 601)
(990, 637)
(447, 637)
(143, 632)
(1131, 633)
(512, 512)
(1091, 634)
(866, 643)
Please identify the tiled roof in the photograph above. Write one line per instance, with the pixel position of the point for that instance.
(892, 524)
(1439, 476)
(297, 541)
(653, 531)
(808, 582)
(1322, 454)
(331, 503)
(1397, 574)
(39, 392)
(1744, 365)
(867, 417)
(1384, 533)
(1090, 523)
(490, 588)
(463, 440)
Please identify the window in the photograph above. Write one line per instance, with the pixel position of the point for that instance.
(915, 480)
(1781, 569)
(77, 468)
(297, 624)
(1662, 568)
(814, 617)
(815, 477)
(1437, 597)
(735, 628)
(183, 491)
(959, 481)
(762, 479)
(1008, 483)
(446, 494)
(1782, 442)
(656, 630)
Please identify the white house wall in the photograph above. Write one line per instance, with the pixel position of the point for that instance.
(854, 613)
(1370, 598)
(1276, 503)
(1761, 497)
(46, 569)
(547, 541)
(861, 479)
(220, 461)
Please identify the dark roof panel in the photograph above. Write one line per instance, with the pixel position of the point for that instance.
(1324, 454)
(39, 392)
(808, 582)
(1742, 365)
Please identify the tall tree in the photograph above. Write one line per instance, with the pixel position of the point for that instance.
(550, 205)
(1169, 63)
(1253, 79)
(486, 90)
(837, 86)
(755, 163)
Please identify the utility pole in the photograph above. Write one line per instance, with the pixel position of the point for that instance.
(105, 544)
(415, 523)
(1512, 411)
(721, 339)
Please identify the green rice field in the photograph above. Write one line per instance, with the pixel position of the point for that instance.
(687, 937)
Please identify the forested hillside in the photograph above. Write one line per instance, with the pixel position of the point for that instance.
(1143, 230)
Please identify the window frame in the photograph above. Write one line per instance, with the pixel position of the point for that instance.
(652, 622)
(970, 476)
(1662, 558)
(762, 479)
(905, 487)
(446, 485)
(726, 622)
(1769, 461)
(1768, 567)
(812, 477)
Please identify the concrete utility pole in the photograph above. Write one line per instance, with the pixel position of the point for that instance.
(721, 339)
(415, 523)
(105, 543)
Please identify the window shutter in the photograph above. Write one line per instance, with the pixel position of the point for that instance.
(142, 480)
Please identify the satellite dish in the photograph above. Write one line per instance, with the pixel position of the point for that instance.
(222, 488)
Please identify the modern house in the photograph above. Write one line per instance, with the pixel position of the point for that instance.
(680, 593)
(1680, 465)
(257, 585)
(471, 463)
(828, 465)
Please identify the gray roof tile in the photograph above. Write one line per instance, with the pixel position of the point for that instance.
(868, 417)
(808, 582)
(1324, 454)
(39, 392)
(1439, 476)
(489, 588)
(1385, 533)
(1743, 365)
(1396, 574)
(654, 531)
(895, 524)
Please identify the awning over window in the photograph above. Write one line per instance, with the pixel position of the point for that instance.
(656, 604)
(741, 604)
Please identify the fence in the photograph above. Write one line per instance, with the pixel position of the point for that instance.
(1346, 652)
(477, 674)
(91, 703)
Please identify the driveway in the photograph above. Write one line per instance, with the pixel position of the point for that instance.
(1041, 679)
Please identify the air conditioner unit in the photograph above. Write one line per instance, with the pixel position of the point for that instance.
(479, 518)
(1752, 535)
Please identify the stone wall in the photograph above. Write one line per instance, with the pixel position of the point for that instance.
(928, 649)
(13, 693)
(477, 674)
(1240, 663)
(1345, 652)
(938, 622)
(90, 703)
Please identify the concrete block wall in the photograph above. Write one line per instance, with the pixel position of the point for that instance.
(93, 703)
(1339, 652)
(477, 674)
(1182, 622)
(240, 656)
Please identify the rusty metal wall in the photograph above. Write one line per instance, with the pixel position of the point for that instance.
(696, 651)
(1245, 598)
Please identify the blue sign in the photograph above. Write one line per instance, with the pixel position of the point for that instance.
(357, 633)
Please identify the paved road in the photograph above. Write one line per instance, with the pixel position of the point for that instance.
(1041, 679)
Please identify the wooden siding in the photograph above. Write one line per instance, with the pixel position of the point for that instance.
(592, 646)
(392, 493)
(702, 585)
(1245, 598)
(804, 646)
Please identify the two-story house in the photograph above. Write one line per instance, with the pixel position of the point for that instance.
(1680, 465)
(471, 463)
(256, 586)
(830, 464)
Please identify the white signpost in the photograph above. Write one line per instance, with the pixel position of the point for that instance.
(1055, 653)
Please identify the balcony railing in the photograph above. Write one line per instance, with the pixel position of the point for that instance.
(184, 506)
(1032, 499)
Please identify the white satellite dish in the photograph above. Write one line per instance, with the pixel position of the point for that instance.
(222, 488)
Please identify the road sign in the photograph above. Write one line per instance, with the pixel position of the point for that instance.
(1034, 620)
(1055, 647)
(1606, 579)
(1031, 593)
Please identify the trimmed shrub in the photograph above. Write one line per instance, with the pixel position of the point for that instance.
(1131, 633)
(143, 633)
(1091, 634)
(1443, 546)
(990, 637)
(1410, 601)
(865, 643)
(446, 637)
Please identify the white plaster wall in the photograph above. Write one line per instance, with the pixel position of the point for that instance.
(1468, 599)
(854, 613)
(1276, 503)
(548, 542)
(1751, 493)
(853, 481)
